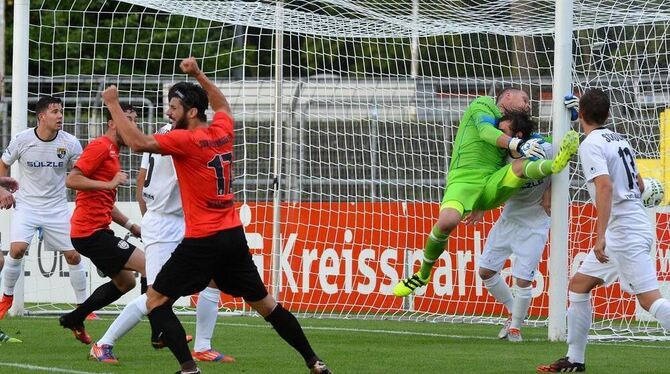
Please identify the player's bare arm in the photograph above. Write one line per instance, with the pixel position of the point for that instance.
(216, 98)
(141, 176)
(6, 199)
(132, 136)
(640, 183)
(78, 181)
(9, 183)
(4, 169)
(603, 185)
(121, 219)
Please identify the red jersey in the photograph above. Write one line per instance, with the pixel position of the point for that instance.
(93, 209)
(203, 160)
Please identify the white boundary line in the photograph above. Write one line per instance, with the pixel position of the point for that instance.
(410, 333)
(42, 368)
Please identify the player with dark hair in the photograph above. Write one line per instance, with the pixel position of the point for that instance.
(44, 154)
(162, 231)
(521, 230)
(479, 177)
(95, 176)
(214, 246)
(623, 235)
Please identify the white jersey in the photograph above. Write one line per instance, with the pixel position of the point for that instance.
(605, 152)
(43, 165)
(161, 190)
(525, 206)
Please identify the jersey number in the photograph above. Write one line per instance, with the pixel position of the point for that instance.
(222, 165)
(629, 165)
(149, 172)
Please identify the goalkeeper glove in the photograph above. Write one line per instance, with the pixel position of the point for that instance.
(571, 103)
(530, 148)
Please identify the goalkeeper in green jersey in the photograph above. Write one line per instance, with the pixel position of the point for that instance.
(479, 177)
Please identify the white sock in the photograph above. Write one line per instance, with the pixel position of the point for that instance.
(11, 274)
(580, 314)
(78, 281)
(520, 305)
(660, 309)
(130, 316)
(206, 312)
(500, 291)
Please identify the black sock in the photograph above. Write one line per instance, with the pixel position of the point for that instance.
(288, 327)
(163, 319)
(100, 298)
(143, 285)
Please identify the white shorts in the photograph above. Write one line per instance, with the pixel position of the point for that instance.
(156, 255)
(55, 226)
(629, 261)
(160, 227)
(161, 233)
(508, 238)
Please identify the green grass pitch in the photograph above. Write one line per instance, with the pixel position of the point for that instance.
(348, 346)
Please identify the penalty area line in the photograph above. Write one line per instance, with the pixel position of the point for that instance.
(42, 368)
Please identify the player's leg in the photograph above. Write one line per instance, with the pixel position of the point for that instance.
(591, 273)
(459, 198)
(4, 338)
(11, 274)
(539, 169)
(24, 224)
(638, 272)
(206, 312)
(188, 270)
(496, 251)
(236, 274)
(77, 274)
(528, 248)
(111, 255)
(56, 234)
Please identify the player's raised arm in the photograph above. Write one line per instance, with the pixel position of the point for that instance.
(216, 98)
(131, 135)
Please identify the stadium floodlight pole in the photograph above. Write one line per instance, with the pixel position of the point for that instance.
(558, 258)
(19, 105)
(278, 123)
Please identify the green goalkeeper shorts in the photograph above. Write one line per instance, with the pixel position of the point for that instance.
(472, 189)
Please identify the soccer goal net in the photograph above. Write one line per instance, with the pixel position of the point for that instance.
(346, 114)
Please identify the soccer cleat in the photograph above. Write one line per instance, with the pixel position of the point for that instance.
(5, 304)
(4, 338)
(77, 329)
(407, 286)
(319, 367)
(514, 335)
(569, 146)
(196, 371)
(562, 365)
(212, 356)
(92, 317)
(504, 330)
(160, 344)
(102, 353)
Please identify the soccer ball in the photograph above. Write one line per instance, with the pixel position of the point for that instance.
(653, 192)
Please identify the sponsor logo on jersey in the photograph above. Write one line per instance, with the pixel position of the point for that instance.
(45, 164)
(60, 152)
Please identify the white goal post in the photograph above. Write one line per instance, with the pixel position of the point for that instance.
(346, 112)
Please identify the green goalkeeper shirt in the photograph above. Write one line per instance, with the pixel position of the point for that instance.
(475, 152)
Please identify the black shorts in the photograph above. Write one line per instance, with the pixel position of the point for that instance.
(107, 252)
(223, 257)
